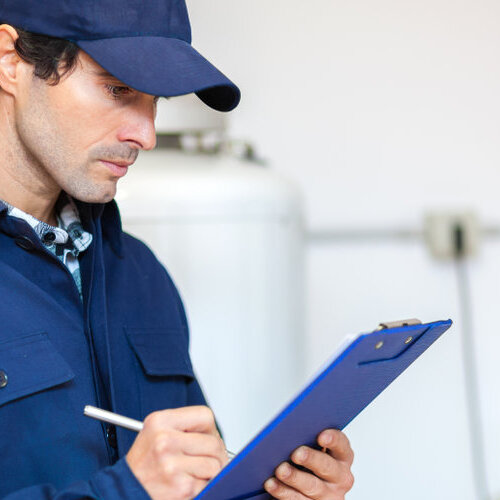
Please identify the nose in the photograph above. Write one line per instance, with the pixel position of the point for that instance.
(138, 127)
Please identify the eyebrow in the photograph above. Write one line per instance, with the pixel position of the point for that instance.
(107, 74)
(103, 72)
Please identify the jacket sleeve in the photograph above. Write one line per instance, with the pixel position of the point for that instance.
(116, 482)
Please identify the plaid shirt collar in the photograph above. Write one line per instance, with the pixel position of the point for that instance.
(68, 236)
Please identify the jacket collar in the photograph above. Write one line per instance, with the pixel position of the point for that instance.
(110, 221)
(90, 213)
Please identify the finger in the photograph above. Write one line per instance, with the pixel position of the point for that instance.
(188, 486)
(281, 491)
(189, 419)
(190, 443)
(205, 468)
(338, 444)
(307, 484)
(319, 463)
(196, 444)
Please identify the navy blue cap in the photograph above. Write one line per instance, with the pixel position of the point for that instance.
(144, 43)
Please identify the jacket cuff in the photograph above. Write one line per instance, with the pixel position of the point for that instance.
(118, 483)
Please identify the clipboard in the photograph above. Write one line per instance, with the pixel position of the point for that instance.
(362, 368)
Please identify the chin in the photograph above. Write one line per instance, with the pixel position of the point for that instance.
(94, 195)
(105, 198)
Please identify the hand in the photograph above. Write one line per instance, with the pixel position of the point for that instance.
(177, 453)
(331, 476)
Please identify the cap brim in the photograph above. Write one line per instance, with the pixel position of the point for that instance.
(163, 67)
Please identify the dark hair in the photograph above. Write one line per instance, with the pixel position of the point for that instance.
(52, 57)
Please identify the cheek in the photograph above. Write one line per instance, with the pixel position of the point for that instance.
(82, 112)
(54, 134)
(76, 120)
(38, 128)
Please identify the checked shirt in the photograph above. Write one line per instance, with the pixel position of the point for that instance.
(66, 241)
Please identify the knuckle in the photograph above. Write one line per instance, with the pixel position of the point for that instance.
(292, 495)
(282, 492)
(325, 470)
(217, 447)
(153, 420)
(208, 414)
(169, 466)
(213, 467)
(158, 448)
(313, 487)
(162, 444)
(168, 439)
(185, 486)
(349, 481)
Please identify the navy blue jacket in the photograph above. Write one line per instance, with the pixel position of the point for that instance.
(125, 348)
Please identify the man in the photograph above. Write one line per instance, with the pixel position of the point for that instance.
(88, 315)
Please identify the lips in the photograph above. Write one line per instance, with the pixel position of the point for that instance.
(119, 169)
(122, 164)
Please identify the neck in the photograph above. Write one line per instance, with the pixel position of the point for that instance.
(24, 183)
(40, 206)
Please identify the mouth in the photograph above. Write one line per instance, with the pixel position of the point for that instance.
(119, 169)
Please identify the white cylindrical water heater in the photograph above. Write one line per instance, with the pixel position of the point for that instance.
(230, 234)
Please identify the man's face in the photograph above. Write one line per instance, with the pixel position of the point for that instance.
(85, 131)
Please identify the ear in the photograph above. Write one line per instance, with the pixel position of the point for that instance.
(9, 59)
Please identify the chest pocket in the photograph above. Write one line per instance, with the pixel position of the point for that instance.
(166, 368)
(161, 351)
(29, 365)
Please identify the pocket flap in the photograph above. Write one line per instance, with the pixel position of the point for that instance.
(31, 364)
(161, 351)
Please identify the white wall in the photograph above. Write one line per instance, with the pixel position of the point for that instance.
(381, 111)
(364, 101)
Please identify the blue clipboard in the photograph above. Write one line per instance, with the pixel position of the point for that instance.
(361, 370)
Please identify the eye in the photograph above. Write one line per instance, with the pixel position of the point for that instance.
(117, 91)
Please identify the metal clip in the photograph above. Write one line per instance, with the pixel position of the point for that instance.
(398, 324)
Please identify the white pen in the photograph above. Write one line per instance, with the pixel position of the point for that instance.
(113, 418)
(121, 421)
